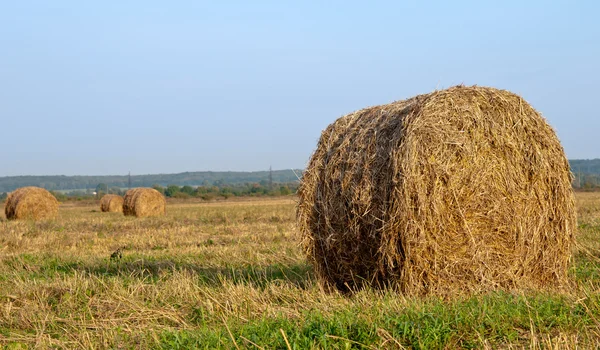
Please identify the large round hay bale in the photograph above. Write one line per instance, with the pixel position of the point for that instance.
(142, 202)
(463, 189)
(111, 203)
(30, 203)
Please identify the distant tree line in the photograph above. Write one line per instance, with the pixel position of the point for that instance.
(586, 182)
(585, 166)
(262, 188)
(586, 176)
(259, 189)
(206, 178)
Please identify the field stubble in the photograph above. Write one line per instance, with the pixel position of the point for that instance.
(232, 275)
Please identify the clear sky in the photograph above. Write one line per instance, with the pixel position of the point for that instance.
(107, 87)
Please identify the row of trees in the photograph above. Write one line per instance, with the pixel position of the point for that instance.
(206, 178)
(258, 189)
(263, 188)
(226, 191)
(586, 182)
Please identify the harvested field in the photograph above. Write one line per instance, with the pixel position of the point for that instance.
(217, 275)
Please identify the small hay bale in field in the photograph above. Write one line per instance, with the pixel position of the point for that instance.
(111, 203)
(142, 202)
(31, 203)
(465, 189)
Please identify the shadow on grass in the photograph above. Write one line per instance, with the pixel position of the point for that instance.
(300, 275)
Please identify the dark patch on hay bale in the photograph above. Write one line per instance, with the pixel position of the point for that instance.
(31, 203)
(465, 189)
(111, 203)
(142, 202)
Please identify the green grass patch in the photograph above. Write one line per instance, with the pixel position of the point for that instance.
(499, 318)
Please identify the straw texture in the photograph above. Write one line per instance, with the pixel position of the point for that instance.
(111, 203)
(31, 203)
(142, 202)
(461, 190)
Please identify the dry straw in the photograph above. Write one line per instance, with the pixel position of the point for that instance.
(142, 202)
(465, 189)
(111, 203)
(31, 203)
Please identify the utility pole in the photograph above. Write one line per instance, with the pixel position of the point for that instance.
(270, 178)
(129, 180)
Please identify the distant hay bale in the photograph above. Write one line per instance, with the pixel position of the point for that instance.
(111, 203)
(465, 189)
(31, 203)
(142, 202)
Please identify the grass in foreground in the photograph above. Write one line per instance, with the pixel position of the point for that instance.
(231, 275)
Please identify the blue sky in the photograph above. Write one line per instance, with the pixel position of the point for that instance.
(94, 88)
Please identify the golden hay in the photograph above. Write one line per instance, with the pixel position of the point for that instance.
(465, 189)
(142, 202)
(31, 203)
(111, 203)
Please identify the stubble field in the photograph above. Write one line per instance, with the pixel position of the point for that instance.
(231, 275)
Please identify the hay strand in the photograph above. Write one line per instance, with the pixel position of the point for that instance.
(463, 189)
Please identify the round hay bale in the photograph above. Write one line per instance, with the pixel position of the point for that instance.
(142, 202)
(465, 189)
(111, 203)
(33, 203)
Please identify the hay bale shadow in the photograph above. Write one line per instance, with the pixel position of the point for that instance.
(299, 275)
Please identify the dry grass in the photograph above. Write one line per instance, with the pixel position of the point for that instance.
(32, 203)
(224, 274)
(111, 203)
(144, 202)
(163, 259)
(462, 189)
